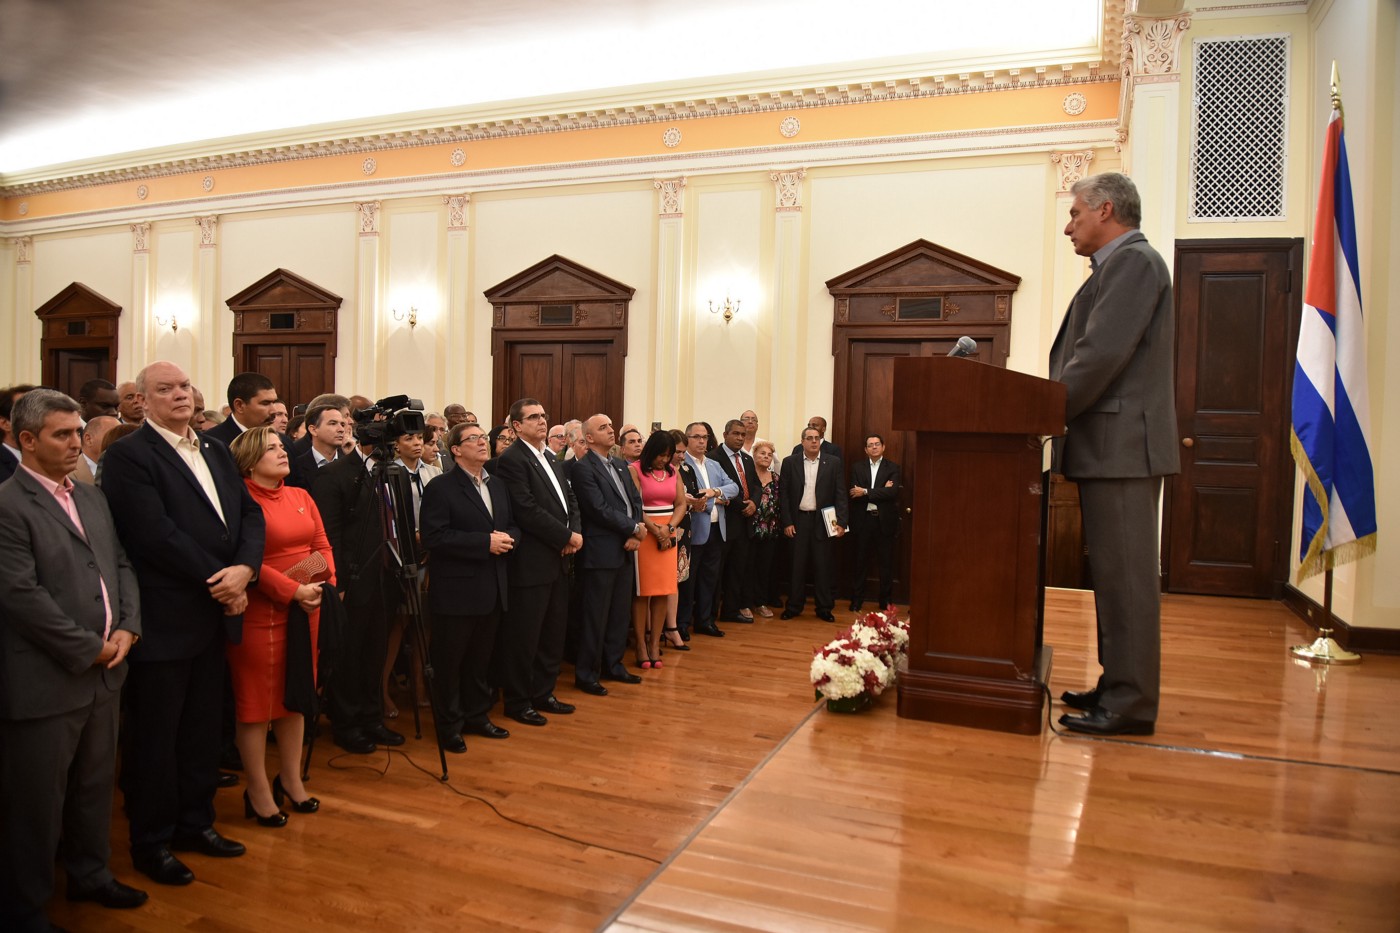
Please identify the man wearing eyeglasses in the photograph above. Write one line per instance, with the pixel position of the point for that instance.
(530, 648)
(708, 526)
(556, 441)
(467, 526)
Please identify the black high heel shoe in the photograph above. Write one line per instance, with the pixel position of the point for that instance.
(672, 645)
(276, 821)
(309, 805)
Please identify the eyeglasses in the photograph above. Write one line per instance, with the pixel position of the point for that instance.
(537, 416)
(556, 437)
(473, 439)
(698, 437)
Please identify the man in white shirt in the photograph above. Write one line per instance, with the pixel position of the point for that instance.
(708, 527)
(874, 496)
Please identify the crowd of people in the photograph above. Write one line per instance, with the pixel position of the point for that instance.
(226, 574)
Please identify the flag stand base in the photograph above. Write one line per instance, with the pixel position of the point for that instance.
(1324, 650)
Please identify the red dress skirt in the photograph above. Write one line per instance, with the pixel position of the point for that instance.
(258, 664)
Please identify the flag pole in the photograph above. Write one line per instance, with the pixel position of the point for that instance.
(1324, 649)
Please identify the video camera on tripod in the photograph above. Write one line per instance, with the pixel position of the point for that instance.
(386, 421)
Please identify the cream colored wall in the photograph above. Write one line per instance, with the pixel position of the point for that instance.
(101, 260)
(1361, 36)
(415, 358)
(608, 228)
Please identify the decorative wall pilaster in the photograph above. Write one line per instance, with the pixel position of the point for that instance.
(24, 245)
(141, 342)
(365, 376)
(669, 357)
(214, 335)
(1071, 166)
(788, 373)
(22, 357)
(1151, 119)
(461, 331)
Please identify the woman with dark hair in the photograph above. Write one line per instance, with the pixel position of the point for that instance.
(765, 529)
(296, 560)
(501, 437)
(663, 507)
(675, 638)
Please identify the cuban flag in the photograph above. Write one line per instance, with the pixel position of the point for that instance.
(1331, 438)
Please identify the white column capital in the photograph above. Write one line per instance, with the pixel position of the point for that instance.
(1152, 47)
(456, 210)
(369, 217)
(24, 248)
(208, 228)
(140, 236)
(788, 187)
(671, 190)
(1072, 166)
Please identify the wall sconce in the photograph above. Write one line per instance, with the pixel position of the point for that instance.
(730, 309)
(411, 316)
(167, 320)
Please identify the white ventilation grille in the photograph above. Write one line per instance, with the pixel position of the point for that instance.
(1239, 134)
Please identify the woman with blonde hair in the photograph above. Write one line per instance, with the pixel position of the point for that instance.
(297, 559)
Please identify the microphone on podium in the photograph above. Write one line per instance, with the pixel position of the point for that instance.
(965, 346)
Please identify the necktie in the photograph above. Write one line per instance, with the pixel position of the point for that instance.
(739, 467)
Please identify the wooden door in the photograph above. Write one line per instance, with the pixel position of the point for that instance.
(79, 339)
(571, 379)
(73, 367)
(300, 371)
(1227, 516)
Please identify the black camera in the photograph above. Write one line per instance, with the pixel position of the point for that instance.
(389, 419)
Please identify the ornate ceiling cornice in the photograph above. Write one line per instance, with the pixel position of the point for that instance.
(567, 120)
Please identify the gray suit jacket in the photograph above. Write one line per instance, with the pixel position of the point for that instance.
(1115, 353)
(51, 611)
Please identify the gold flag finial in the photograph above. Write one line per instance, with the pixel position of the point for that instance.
(1336, 88)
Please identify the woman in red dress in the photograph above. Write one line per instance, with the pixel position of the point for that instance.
(296, 559)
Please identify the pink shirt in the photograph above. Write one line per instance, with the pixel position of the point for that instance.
(63, 494)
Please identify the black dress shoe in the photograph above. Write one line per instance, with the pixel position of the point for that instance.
(1099, 721)
(309, 805)
(383, 735)
(113, 894)
(855, 605)
(790, 614)
(556, 706)
(826, 616)
(488, 729)
(161, 867)
(529, 717)
(208, 842)
(591, 687)
(623, 676)
(711, 629)
(1086, 700)
(356, 742)
(455, 745)
(228, 779)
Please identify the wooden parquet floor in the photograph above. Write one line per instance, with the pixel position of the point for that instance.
(716, 796)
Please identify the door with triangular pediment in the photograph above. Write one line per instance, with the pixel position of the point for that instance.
(284, 327)
(79, 338)
(559, 334)
(915, 301)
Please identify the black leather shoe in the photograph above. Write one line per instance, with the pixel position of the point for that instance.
(488, 729)
(161, 867)
(1099, 721)
(309, 805)
(789, 614)
(623, 676)
(356, 742)
(855, 605)
(455, 745)
(591, 687)
(208, 842)
(826, 617)
(529, 717)
(556, 706)
(383, 735)
(712, 630)
(228, 779)
(113, 894)
(1085, 700)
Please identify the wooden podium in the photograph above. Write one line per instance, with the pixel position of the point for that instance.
(976, 595)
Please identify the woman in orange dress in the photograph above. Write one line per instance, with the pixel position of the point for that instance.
(663, 507)
(259, 663)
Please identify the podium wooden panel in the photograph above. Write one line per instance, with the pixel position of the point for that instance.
(976, 656)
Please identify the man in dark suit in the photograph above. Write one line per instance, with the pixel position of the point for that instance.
(1115, 353)
(251, 397)
(529, 649)
(195, 539)
(737, 601)
(828, 449)
(69, 613)
(9, 449)
(874, 519)
(326, 429)
(468, 530)
(611, 511)
(350, 507)
(813, 484)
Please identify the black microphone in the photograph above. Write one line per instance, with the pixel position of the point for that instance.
(965, 346)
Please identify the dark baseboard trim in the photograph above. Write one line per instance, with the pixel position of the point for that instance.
(1351, 637)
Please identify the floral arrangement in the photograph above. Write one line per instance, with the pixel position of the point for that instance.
(861, 662)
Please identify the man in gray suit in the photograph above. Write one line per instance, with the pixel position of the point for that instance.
(1115, 352)
(69, 613)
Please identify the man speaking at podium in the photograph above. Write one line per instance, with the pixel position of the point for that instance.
(1114, 352)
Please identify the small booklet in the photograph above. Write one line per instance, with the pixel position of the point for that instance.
(829, 520)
